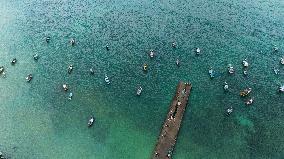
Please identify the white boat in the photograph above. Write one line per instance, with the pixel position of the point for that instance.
(139, 91)
(249, 101)
(198, 51)
(229, 111)
(70, 68)
(29, 77)
(92, 71)
(107, 79)
(177, 62)
(65, 87)
(281, 89)
(1, 69)
(245, 63)
(226, 86)
(211, 73)
(231, 69)
(70, 96)
(72, 41)
(151, 54)
(276, 70)
(91, 121)
(282, 61)
(13, 61)
(36, 56)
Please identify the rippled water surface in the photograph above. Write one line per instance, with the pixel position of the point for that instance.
(39, 122)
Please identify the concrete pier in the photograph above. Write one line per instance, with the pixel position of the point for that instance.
(169, 132)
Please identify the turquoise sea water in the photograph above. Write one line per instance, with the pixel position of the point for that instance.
(39, 122)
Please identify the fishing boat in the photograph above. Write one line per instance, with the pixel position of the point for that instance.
(198, 51)
(211, 73)
(14, 60)
(177, 62)
(70, 68)
(245, 92)
(226, 86)
(249, 101)
(29, 77)
(276, 70)
(107, 79)
(245, 63)
(174, 44)
(145, 67)
(65, 87)
(139, 91)
(91, 121)
(70, 96)
(282, 61)
(36, 56)
(2, 69)
(92, 71)
(229, 111)
(151, 54)
(72, 42)
(231, 69)
(47, 39)
(281, 89)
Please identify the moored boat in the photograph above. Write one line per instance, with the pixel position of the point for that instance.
(91, 121)
(107, 79)
(249, 101)
(29, 77)
(139, 91)
(245, 92)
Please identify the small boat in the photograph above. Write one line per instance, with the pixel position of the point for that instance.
(14, 61)
(174, 44)
(47, 39)
(72, 42)
(2, 156)
(249, 101)
(275, 48)
(177, 62)
(70, 96)
(139, 91)
(92, 71)
(245, 63)
(226, 86)
(151, 54)
(245, 72)
(107, 79)
(281, 89)
(29, 77)
(145, 67)
(211, 73)
(70, 68)
(107, 48)
(4, 74)
(198, 51)
(91, 121)
(245, 92)
(65, 87)
(36, 56)
(276, 70)
(229, 111)
(231, 69)
(282, 61)
(2, 69)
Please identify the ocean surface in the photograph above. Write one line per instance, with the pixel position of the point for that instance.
(37, 121)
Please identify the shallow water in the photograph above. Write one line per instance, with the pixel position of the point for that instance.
(38, 121)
